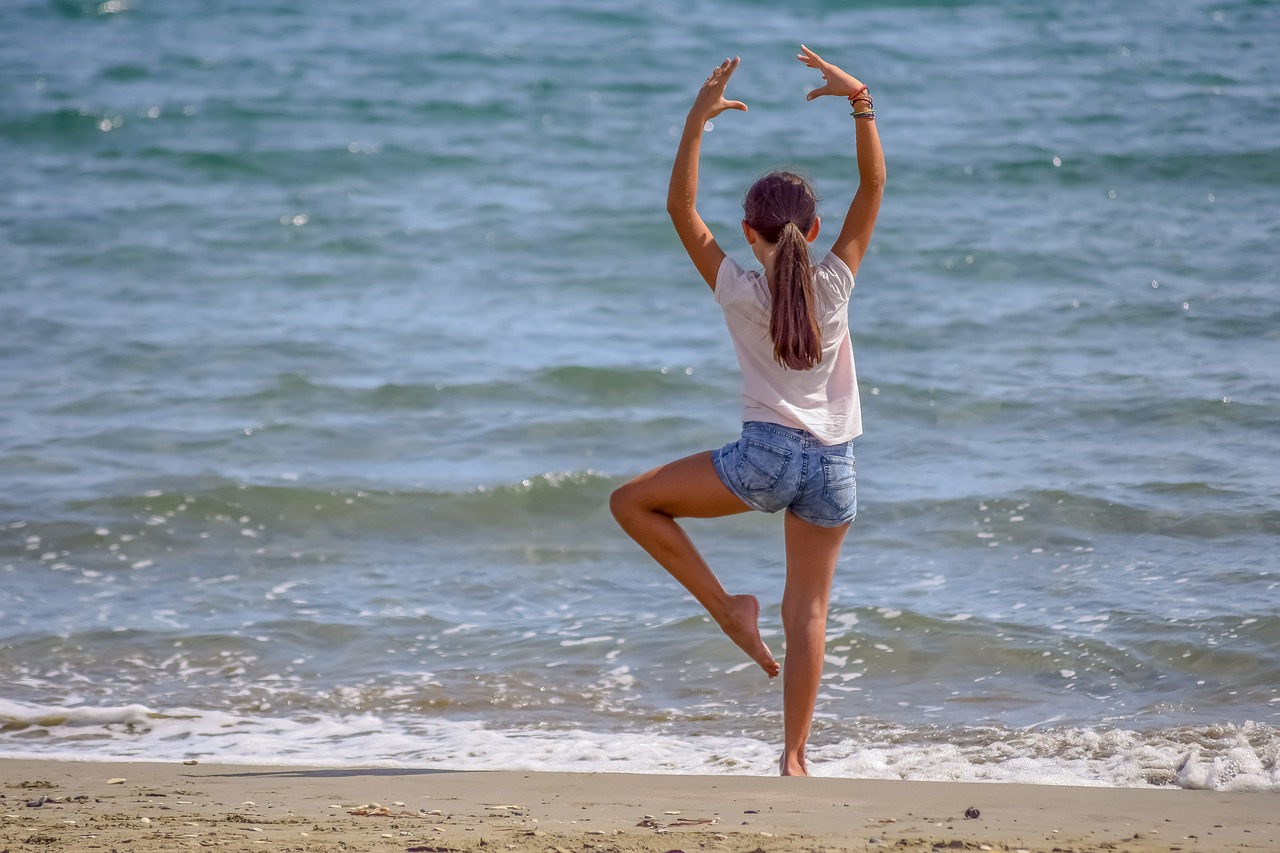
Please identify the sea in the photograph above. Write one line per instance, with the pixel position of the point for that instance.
(327, 328)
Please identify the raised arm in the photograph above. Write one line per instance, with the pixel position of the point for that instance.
(682, 194)
(855, 235)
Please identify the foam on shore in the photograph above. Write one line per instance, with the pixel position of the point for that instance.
(1218, 758)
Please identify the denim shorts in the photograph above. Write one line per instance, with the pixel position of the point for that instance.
(773, 467)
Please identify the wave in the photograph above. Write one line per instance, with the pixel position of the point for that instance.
(1118, 657)
(67, 123)
(1206, 757)
(607, 389)
(553, 499)
(1212, 757)
(531, 644)
(1176, 509)
(1051, 519)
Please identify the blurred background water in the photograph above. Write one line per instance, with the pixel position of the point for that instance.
(327, 328)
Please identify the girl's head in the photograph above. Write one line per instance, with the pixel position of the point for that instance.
(780, 211)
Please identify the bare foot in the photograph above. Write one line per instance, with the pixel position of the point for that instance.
(792, 768)
(742, 624)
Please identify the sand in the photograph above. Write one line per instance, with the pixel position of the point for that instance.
(55, 806)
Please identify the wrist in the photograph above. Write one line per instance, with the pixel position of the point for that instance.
(693, 128)
(862, 104)
(696, 118)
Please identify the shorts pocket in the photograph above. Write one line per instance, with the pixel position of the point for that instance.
(760, 466)
(840, 487)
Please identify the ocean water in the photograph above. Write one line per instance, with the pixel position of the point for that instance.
(327, 328)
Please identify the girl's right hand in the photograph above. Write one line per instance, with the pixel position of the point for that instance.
(711, 101)
(839, 82)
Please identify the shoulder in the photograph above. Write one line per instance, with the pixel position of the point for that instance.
(832, 267)
(833, 275)
(733, 281)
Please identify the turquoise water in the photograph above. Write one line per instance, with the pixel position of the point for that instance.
(326, 330)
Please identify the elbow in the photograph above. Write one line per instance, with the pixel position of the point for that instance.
(871, 185)
(681, 217)
(872, 176)
(678, 208)
(875, 180)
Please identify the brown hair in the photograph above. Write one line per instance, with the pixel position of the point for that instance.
(781, 208)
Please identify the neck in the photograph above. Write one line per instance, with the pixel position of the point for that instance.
(765, 253)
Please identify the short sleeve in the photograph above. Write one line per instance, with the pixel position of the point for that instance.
(729, 280)
(835, 278)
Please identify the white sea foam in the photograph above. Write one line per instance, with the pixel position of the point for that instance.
(15, 716)
(1222, 758)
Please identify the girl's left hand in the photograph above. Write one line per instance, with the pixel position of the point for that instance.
(711, 101)
(838, 81)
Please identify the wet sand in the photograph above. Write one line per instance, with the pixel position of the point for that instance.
(118, 806)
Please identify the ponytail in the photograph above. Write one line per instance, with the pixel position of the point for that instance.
(782, 207)
(793, 322)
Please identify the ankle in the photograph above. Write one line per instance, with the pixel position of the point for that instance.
(726, 609)
(792, 764)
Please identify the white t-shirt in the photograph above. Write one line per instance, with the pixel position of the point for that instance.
(823, 399)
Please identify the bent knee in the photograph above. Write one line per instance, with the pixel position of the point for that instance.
(622, 502)
(630, 501)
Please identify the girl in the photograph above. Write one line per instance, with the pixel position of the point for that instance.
(790, 329)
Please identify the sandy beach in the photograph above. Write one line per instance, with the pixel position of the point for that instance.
(116, 806)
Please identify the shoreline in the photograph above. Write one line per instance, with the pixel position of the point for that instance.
(142, 806)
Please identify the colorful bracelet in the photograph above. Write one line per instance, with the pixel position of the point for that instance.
(862, 95)
(864, 114)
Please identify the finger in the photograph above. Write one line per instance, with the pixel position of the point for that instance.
(817, 93)
(722, 72)
(808, 56)
(735, 105)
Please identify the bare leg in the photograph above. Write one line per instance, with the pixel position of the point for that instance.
(647, 508)
(812, 552)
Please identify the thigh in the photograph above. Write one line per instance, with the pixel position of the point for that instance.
(812, 553)
(685, 488)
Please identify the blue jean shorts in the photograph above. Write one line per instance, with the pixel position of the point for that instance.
(772, 467)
